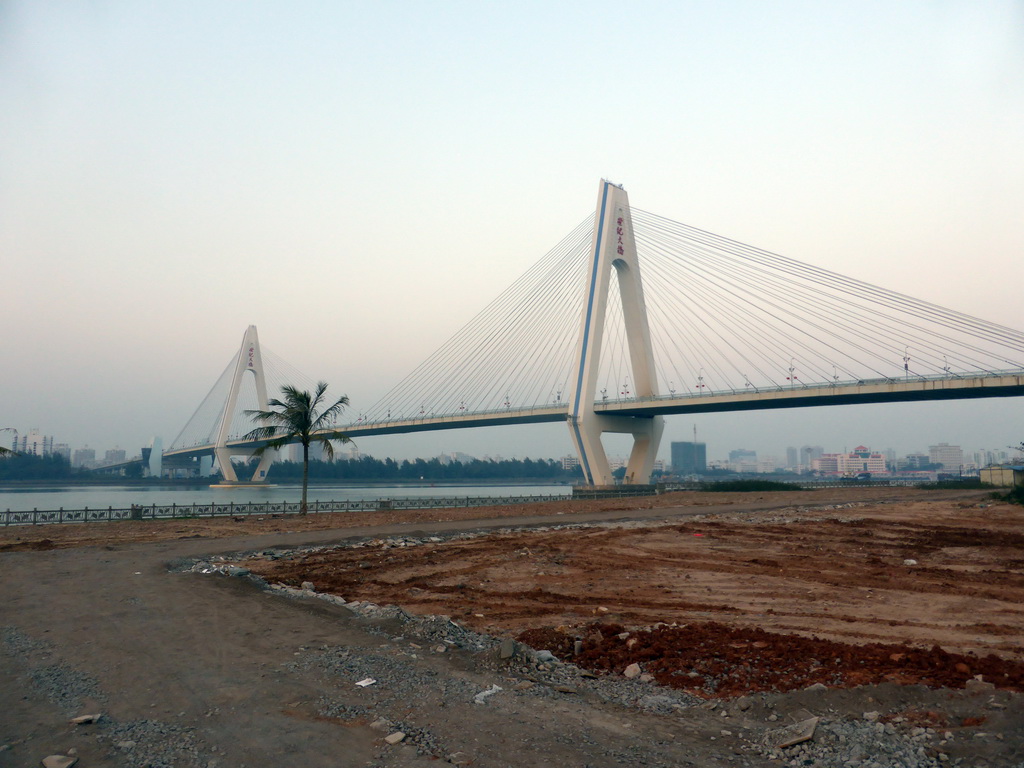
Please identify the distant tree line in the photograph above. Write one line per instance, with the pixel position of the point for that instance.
(24, 466)
(369, 469)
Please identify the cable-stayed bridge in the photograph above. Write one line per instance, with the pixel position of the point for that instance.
(632, 317)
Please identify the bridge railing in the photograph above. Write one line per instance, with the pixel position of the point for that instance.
(707, 391)
(232, 509)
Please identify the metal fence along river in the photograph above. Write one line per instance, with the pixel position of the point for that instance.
(228, 509)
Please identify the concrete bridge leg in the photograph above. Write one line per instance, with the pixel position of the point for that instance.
(586, 436)
(613, 250)
(250, 360)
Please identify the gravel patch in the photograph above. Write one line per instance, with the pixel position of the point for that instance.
(851, 744)
(154, 744)
(59, 683)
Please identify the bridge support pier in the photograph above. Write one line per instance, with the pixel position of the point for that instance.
(613, 248)
(249, 360)
(586, 436)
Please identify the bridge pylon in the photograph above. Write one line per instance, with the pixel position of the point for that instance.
(250, 360)
(613, 248)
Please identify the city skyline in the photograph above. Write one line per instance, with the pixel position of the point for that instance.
(779, 456)
(166, 183)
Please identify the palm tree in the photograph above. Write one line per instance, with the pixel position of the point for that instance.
(299, 419)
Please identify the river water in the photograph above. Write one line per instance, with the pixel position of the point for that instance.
(25, 499)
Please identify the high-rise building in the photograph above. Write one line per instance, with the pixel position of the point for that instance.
(951, 457)
(34, 443)
(84, 457)
(792, 458)
(115, 456)
(689, 458)
(808, 453)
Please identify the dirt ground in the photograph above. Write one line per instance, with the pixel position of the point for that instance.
(893, 600)
(910, 576)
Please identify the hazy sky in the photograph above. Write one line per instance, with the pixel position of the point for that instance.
(359, 179)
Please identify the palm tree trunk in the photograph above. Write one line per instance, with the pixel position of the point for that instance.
(305, 477)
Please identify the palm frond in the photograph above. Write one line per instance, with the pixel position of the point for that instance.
(297, 418)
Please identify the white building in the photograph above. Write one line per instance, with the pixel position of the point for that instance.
(570, 463)
(951, 457)
(33, 444)
(859, 460)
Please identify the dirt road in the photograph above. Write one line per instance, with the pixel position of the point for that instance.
(206, 670)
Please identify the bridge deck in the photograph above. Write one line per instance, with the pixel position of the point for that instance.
(963, 387)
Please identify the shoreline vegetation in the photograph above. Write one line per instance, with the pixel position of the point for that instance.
(21, 470)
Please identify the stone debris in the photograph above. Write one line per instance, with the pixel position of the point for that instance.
(85, 719)
(367, 681)
(482, 696)
(977, 685)
(794, 734)
(58, 761)
(507, 649)
(633, 670)
(910, 561)
(394, 738)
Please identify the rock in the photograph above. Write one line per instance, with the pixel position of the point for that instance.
(743, 703)
(793, 734)
(817, 687)
(565, 689)
(508, 648)
(633, 670)
(871, 717)
(978, 686)
(459, 758)
(85, 719)
(646, 677)
(394, 738)
(480, 697)
(543, 656)
(909, 561)
(309, 586)
(58, 761)
(380, 724)
(125, 745)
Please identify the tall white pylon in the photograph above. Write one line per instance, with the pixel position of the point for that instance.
(613, 247)
(249, 361)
